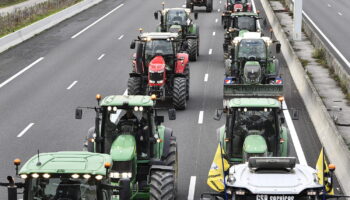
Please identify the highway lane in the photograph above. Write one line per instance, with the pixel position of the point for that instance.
(332, 18)
(40, 95)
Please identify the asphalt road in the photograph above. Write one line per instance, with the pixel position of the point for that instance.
(332, 18)
(42, 99)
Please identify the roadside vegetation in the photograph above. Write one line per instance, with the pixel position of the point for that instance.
(21, 18)
(5, 3)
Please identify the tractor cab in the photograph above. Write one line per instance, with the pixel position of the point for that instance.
(65, 175)
(254, 128)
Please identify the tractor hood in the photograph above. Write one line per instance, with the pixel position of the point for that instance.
(157, 64)
(123, 148)
(175, 29)
(273, 181)
(254, 144)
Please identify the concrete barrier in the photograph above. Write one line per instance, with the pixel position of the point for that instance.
(336, 149)
(23, 34)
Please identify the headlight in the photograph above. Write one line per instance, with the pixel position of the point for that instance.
(114, 175)
(24, 176)
(161, 81)
(46, 175)
(311, 193)
(35, 175)
(151, 81)
(86, 176)
(75, 176)
(126, 175)
(98, 177)
(240, 192)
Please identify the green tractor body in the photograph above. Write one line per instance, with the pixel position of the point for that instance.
(254, 128)
(235, 25)
(66, 175)
(142, 150)
(208, 4)
(178, 20)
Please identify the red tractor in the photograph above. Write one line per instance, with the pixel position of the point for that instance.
(160, 68)
(238, 6)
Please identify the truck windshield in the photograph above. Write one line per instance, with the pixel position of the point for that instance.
(176, 17)
(62, 189)
(252, 48)
(245, 23)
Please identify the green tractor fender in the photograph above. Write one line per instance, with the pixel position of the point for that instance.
(273, 67)
(193, 31)
(162, 148)
(284, 150)
(241, 33)
(123, 148)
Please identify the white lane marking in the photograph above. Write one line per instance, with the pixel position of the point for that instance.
(326, 38)
(220, 2)
(216, 20)
(192, 188)
(101, 18)
(219, 10)
(101, 56)
(339, 13)
(210, 51)
(206, 76)
(214, 33)
(71, 85)
(200, 117)
(184, 6)
(116, 116)
(25, 130)
(119, 38)
(329, 5)
(293, 134)
(254, 10)
(20, 72)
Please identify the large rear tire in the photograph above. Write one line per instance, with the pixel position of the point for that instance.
(172, 160)
(192, 49)
(187, 73)
(134, 86)
(209, 5)
(179, 93)
(162, 186)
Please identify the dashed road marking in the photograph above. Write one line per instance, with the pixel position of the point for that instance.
(219, 10)
(101, 56)
(120, 37)
(25, 130)
(214, 33)
(254, 10)
(184, 6)
(329, 5)
(101, 18)
(220, 2)
(210, 51)
(206, 76)
(192, 188)
(200, 117)
(339, 13)
(216, 20)
(20, 72)
(71, 85)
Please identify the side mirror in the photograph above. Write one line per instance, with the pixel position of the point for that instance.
(283, 120)
(133, 44)
(172, 114)
(159, 119)
(78, 113)
(156, 15)
(295, 114)
(278, 48)
(218, 115)
(195, 15)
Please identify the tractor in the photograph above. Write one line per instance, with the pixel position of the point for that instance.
(250, 60)
(233, 6)
(159, 68)
(178, 20)
(206, 3)
(143, 151)
(236, 25)
(66, 175)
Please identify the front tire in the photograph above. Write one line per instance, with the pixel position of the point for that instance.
(179, 93)
(192, 49)
(162, 186)
(172, 160)
(134, 86)
(187, 73)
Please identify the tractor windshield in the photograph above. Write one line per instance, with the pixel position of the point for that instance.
(245, 23)
(159, 47)
(252, 48)
(176, 17)
(60, 188)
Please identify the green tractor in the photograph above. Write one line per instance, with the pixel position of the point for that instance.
(208, 4)
(254, 128)
(178, 20)
(251, 60)
(236, 25)
(143, 151)
(66, 175)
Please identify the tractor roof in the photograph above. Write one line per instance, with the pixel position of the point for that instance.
(236, 14)
(122, 100)
(159, 35)
(187, 10)
(67, 162)
(252, 36)
(254, 103)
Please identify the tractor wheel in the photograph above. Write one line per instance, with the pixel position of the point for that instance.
(134, 86)
(172, 160)
(192, 49)
(179, 93)
(162, 186)
(209, 5)
(187, 73)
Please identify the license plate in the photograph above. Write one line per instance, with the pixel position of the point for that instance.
(274, 197)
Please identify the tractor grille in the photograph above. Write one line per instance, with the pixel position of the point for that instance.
(156, 77)
(122, 166)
